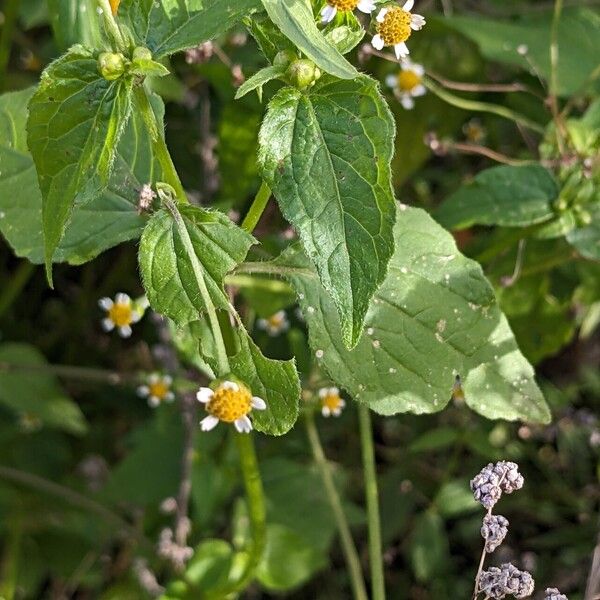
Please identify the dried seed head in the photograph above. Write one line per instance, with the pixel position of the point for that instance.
(494, 479)
(145, 197)
(493, 531)
(498, 582)
(554, 594)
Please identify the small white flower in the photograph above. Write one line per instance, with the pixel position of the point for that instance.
(157, 389)
(331, 402)
(394, 26)
(275, 324)
(120, 313)
(407, 84)
(331, 8)
(229, 402)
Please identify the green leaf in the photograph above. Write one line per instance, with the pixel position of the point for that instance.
(586, 239)
(434, 316)
(506, 196)
(455, 498)
(269, 39)
(75, 22)
(168, 26)
(75, 121)
(578, 43)
(208, 569)
(169, 270)
(347, 36)
(429, 552)
(259, 79)
(30, 391)
(296, 21)
(326, 156)
(109, 219)
(301, 560)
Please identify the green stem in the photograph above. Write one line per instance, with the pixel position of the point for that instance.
(159, 146)
(11, 11)
(69, 372)
(372, 495)
(257, 208)
(111, 26)
(15, 285)
(476, 106)
(350, 553)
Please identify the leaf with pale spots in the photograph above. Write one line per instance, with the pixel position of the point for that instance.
(434, 316)
(326, 156)
(170, 267)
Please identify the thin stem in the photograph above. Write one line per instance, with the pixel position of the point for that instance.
(69, 372)
(159, 146)
(10, 12)
(553, 96)
(350, 553)
(15, 285)
(257, 208)
(111, 25)
(268, 268)
(72, 497)
(372, 495)
(479, 569)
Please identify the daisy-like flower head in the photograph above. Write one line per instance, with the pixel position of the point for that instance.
(407, 84)
(120, 313)
(331, 402)
(275, 324)
(229, 402)
(394, 27)
(157, 389)
(474, 131)
(330, 9)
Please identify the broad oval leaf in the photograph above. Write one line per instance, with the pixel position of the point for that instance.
(169, 26)
(506, 196)
(76, 118)
(109, 219)
(75, 22)
(169, 270)
(326, 156)
(296, 21)
(434, 316)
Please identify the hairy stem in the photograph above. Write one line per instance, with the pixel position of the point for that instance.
(257, 208)
(111, 25)
(159, 146)
(372, 495)
(350, 553)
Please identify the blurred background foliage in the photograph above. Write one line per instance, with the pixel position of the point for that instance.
(86, 465)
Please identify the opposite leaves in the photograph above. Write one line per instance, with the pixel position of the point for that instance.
(326, 156)
(76, 118)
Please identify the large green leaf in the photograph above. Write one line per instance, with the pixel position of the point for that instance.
(168, 26)
(506, 196)
(326, 155)
(75, 22)
(174, 245)
(578, 43)
(76, 118)
(434, 316)
(28, 389)
(109, 219)
(586, 239)
(296, 20)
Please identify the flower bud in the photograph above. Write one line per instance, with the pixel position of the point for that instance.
(284, 58)
(303, 73)
(142, 53)
(111, 65)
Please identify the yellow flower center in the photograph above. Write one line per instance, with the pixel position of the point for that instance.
(408, 80)
(229, 405)
(343, 4)
(276, 321)
(121, 314)
(395, 27)
(158, 389)
(332, 401)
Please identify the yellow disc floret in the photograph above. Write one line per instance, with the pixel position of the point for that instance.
(121, 314)
(395, 26)
(229, 404)
(159, 389)
(408, 80)
(332, 401)
(343, 4)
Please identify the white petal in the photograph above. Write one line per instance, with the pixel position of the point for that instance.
(167, 380)
(107, 324)
(401, 50)
(408, 5)
(230, 385)
(258, 403)
(243, 424)
(337, 412)
(407, 102)
(153, 401)
(328, 13)
(391, 81)
(143, 391)
(325, 411)
(262, 324)
(154, 378)
(209, 423)
(418, 90)
(204, 395)
(105, 303)
(322, 392)
(334, 391)
(377, 42)
(366, 6)
(136, 316)
(125, 331)
(121, 298)
(417, 22)
(170, 396)
(418, 69)
(342, 402)
(381, 16)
